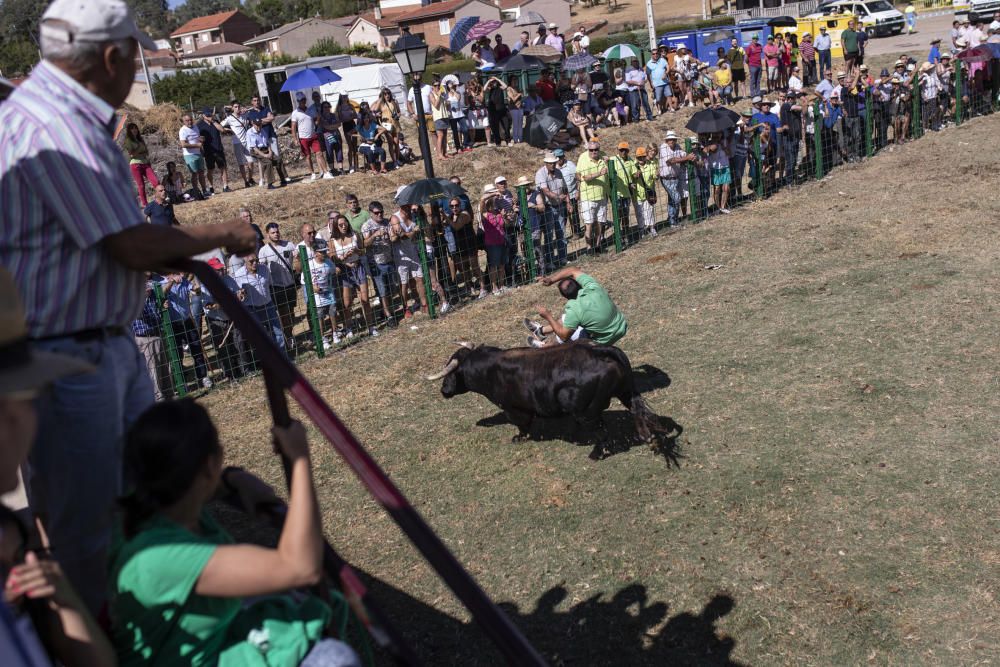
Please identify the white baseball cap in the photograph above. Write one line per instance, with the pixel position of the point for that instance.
(93, 21)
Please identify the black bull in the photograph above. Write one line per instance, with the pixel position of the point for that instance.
(576, 379)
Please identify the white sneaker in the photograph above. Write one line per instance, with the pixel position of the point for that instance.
(326, 344)
(534, 342)
(373, 332)
(726, 211)
(350, 334)
(206, 383)
(314, 177)
(445, 307)
(482, 294)
(327, 176)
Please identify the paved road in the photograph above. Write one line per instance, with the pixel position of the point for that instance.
(919, 43)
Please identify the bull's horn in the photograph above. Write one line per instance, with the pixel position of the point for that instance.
(452, 365)
(464, 343)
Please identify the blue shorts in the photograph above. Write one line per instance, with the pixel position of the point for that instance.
(496, 255)
(662, 92)
(195, 163)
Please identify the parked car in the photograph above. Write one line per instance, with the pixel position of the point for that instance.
(983, 10)
(878, 17)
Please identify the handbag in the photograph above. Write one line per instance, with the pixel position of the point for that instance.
(650, 191)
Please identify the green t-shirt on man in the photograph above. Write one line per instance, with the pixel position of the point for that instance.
(594, 310)
(357, 220)
(155, 611)
(849, 40)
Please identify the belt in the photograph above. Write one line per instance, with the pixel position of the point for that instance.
(86, 335)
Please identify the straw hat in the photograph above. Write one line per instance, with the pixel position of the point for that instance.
(489, 189)
(523, 180)
(21, 367)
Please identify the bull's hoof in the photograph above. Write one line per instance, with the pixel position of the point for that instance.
(520, 437)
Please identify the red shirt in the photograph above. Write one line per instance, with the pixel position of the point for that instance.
(772, 53)
(501, 52)
(546, 90)
(753, 54)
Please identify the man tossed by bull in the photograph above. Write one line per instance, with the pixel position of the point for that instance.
(590, 314)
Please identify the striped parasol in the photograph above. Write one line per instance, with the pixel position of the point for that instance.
(543, 52)
(484, 28)
(623, 52)
(460, 33)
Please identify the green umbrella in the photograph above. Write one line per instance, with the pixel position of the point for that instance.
(623, 52)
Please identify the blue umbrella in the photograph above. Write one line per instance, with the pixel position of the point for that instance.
(310, 77)
(460, 33)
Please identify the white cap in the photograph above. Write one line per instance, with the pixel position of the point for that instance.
(93, 21)
(499, 179)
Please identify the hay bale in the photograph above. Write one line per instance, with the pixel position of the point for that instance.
(162, 119)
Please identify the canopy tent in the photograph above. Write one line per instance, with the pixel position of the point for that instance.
(363, 83)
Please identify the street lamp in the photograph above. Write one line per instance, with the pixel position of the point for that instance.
(411, 55)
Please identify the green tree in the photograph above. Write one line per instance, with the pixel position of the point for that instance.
(153, 16)
(270, 13)
(325, 47)
(17, 57)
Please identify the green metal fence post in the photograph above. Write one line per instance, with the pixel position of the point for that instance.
(958, 91)
(315, 326)
(176, 371)
(613, 200)
(869, 150)
(818, 139)
(424, 266)
(529, 240)
(916, 124)
(760, 166)
(692, 179)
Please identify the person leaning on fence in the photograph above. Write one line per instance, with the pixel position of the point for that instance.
(227, 339)
(228, 603)
(673, 161)
(717, 160)
(404, 234)
(178, 290)
(645, 191)
(790, 114)
(592, 174)
(551, 185)
(148, 331)
(352, 274)
(466, 254)
(375, 234)
(323, 276)
(930, 87)
(621, 183)
(739, 148)
(252, 285)
(493, 219)
(589, 314)
(278, 255)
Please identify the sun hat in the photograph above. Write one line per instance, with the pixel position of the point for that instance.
(93, 21)
(896, 79)
(552, 26)
(841, 74)
(926, 67)
(671, 135)
(640, 151)
(756, 99)
(23, 368)
(695, 141)
(961, 42)
(936, 40)
(863, 68)
(549, 157)
(577, 35)
(884, 72)
(945, 55)
(747, 113)
(489, 189)
(523, 180)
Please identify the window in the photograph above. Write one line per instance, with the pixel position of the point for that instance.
(218, 61)
(187, 40)
(206, 37)
(444, 26)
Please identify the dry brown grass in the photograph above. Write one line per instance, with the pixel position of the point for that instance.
(836, 501)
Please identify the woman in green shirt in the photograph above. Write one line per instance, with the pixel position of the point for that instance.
(138, 154)
(182, 592)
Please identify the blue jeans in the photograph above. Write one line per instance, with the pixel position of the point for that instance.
(517, 125)
(383, 277)
(754, 80)
(551, 228)
(635, 98)
(672, 186)
(267, 317)
(374, 154)
(825, 64)
(790, 148)
(738, 165)
(75, 473)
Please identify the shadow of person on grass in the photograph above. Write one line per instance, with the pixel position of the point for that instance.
(624, 629)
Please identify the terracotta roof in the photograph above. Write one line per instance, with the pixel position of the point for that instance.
(388, 19)
(288, 27)
(511, 4)
(435, 9)
(204, 23)
(220, 49)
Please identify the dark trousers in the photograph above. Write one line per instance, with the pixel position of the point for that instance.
(227, 351)
(809, 72)
(499, 128)
(186, 332)
(825, 63)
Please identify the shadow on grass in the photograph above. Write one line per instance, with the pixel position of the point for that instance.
(624, 629)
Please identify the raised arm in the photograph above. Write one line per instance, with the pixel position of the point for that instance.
(153, 247)
(561, 274)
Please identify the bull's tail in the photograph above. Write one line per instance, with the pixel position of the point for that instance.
(648, 424)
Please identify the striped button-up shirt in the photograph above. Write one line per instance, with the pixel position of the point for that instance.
(671, 171)
(64, 187)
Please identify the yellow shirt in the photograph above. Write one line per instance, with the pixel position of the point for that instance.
(597, 188)
(722, 77)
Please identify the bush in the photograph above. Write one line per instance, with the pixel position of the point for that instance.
(325, 47)
(449, 67)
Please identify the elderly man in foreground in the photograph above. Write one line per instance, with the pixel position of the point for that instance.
(77, 246)
(590, 313)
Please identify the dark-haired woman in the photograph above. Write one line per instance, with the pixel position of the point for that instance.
(138, 161)
(182, 592)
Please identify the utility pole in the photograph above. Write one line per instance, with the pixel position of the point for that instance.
(651, 25)
(704, 8)
(145, 73)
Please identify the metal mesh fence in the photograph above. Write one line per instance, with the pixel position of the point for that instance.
(395, 267)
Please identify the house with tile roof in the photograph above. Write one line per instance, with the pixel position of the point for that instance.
(216, 56)
(295, 38)
(233, 27)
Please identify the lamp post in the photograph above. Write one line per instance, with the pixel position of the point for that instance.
(411, 55)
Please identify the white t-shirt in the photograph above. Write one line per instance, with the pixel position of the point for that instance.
(425, 97)
(322, 281)
(239, 126)
(795, 83)
(190, 135)
(268, 256)
(304, 122)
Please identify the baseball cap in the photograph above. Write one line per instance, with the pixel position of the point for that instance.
(319, 243)
(499, 179)
(754, 38)
(640, 151)
(206, 111)
(215, 263)
(623, 146)
(300, 95)
(93, 21)
(559, 152)
(23, 367)
(822, 28)
(747, 113)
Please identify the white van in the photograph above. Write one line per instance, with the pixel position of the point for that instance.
(878, 17)
(982, 10)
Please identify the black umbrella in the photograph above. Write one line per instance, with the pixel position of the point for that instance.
(543, 123)
(708, 121)
(428, 190)
(782, 22)
(719, 36)
(518, 62)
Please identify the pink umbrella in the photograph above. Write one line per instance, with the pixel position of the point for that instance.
(977, 54)
(484, 28)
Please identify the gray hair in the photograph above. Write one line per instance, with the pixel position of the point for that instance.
(78, 55)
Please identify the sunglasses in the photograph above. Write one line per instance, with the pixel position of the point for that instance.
(376, 212)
